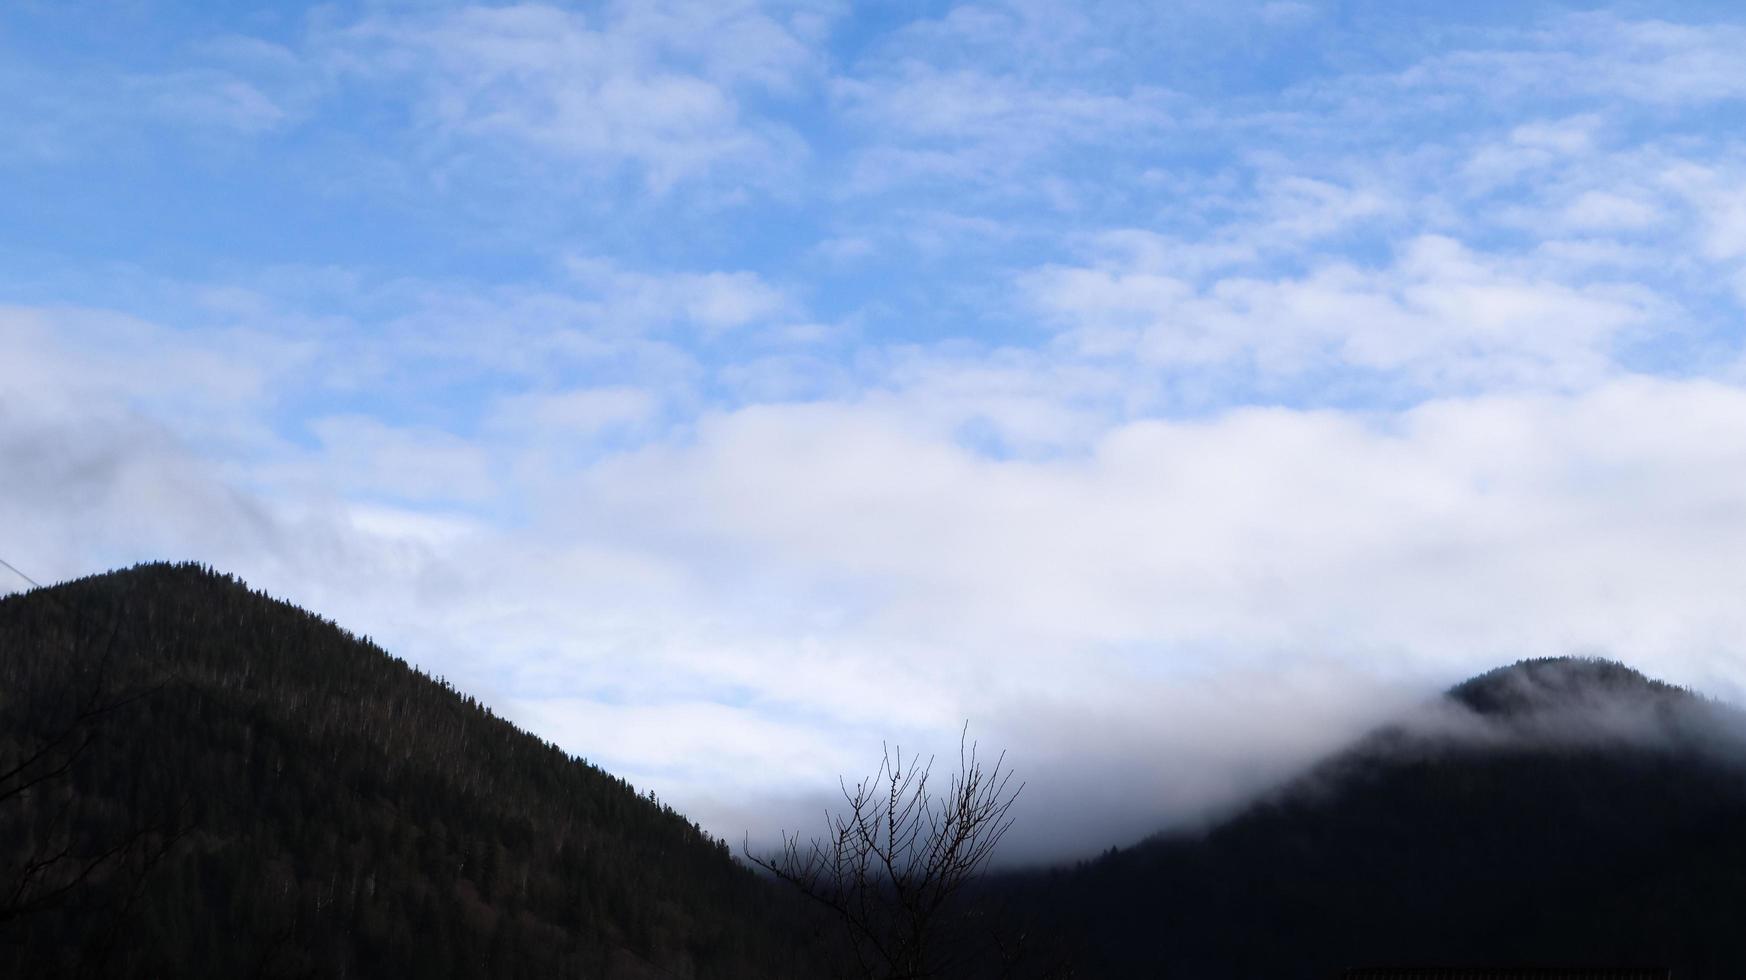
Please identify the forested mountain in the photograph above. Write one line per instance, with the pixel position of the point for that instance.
(197, 780)
(1555, 812)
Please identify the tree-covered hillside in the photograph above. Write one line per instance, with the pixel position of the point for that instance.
(197, 780)
(1558, 812)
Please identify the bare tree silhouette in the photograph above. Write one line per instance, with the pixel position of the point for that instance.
(894, 866)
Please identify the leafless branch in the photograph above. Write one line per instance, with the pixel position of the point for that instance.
(892, 863)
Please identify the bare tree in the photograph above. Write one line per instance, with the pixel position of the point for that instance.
(893, 866)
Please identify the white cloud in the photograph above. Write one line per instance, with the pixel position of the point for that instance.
(1603, 211)
(964, 105)
(1719, 204)
(710, 301)
(634, 84)
(685, 743)
(577, 413)
(1533, 147)
(1654, 62)
(929, 123)
(208, 385)
(1295, 209)
(364, 457)
(1662, 62)
(214, 98)
(1131, 544)
(1440, 314)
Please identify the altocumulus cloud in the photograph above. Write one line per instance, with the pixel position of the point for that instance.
(1170, 426)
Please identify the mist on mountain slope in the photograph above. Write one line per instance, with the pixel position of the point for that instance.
(1555, 811)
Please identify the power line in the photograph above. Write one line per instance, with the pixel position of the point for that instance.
(34, 583)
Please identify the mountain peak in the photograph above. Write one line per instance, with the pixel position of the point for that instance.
(182, 573)
(1555, 683)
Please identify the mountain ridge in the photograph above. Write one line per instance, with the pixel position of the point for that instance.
(338, 806)
(1533, 683)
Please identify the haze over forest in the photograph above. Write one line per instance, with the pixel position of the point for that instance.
(1173, 391)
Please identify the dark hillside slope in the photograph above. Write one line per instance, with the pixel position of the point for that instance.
(1556, 812)
(285, 799)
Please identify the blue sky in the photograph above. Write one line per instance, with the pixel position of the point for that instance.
(722, 388)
